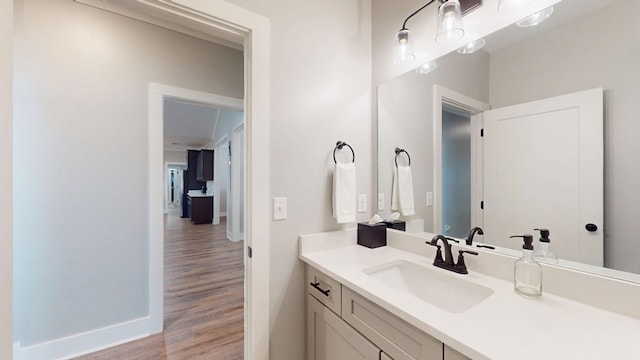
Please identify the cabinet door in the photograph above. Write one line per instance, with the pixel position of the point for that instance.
(205, 165)
(192, 168)
(450, 354)
(330, 338)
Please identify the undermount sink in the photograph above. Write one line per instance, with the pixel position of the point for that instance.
(447, 291)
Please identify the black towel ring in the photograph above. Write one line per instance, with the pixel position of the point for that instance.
(339, 146)
(398, 152)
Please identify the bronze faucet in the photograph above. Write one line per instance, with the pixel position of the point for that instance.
(475, 230)
(448, 263)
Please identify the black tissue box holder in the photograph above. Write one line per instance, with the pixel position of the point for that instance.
(396, 225)
(372, 236)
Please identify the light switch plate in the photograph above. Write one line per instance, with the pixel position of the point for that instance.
(380, 201)
(429, 198)
(279, 208)
(362, 203)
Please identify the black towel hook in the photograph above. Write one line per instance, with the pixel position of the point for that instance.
(398, 152)
(339, 146)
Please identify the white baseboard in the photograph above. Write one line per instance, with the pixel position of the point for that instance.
(84, 343)
(230, 237)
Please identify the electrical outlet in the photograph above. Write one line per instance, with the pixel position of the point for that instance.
(429, 198)
(362, 203)
(380, 201)
(280, 208)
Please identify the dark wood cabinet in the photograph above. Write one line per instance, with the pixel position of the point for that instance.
(200, 209)
(205, 165)
(192, 182)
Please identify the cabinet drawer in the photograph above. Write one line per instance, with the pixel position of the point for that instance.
(395, 337)
(325, 289)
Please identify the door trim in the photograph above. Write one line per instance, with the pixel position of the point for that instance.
(255, 30)
(6, 181)
(217, 147)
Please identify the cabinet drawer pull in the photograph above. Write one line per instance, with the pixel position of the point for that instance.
(316, 285)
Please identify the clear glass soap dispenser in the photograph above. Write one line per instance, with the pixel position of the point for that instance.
(543, 254)
(527, 273)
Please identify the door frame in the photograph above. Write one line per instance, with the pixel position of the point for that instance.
(217, 147)
(236, 234)
(220, 16)
(6, 181)
(475, 107)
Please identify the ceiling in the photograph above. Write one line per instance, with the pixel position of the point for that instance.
(188, 125)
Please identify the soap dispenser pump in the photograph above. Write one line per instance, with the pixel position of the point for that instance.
(543, 254)
(527, 273)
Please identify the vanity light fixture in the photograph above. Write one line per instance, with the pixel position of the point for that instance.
(537, 18)
(450, 27)
(511, 6)
(427, 67)
(472, 47)
(405, 54)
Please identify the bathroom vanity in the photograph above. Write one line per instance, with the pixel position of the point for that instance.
(390, 303)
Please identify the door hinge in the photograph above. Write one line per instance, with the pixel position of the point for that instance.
(482, 205)
(249, 252)
(482, 132)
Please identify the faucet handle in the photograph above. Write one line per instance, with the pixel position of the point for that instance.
(462, 267)
(460, 252)
(438, 257)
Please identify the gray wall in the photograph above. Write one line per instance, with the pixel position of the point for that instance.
(175, 156)
(599, 50)
(405, 120)
(81, 84)
(321, 93)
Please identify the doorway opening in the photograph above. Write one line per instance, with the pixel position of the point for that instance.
(458, 159)
(204, 272)
(456, 171)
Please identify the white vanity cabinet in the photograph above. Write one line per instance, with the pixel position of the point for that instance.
(330, 338)
(344, 325)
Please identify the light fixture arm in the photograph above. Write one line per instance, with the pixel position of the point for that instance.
(404, 24)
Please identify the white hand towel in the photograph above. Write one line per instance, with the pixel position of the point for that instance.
(344, 192)
(395, 200)
(402, 195)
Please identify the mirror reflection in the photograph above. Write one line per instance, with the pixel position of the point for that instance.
(556, 105)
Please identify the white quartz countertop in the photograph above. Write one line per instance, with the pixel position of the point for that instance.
(503, 326)
(198, 193)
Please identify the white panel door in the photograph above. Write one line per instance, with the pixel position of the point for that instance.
(543, 167)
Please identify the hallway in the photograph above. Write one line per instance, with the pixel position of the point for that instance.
(204, 294)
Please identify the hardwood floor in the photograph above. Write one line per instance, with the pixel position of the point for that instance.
(204, 295)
